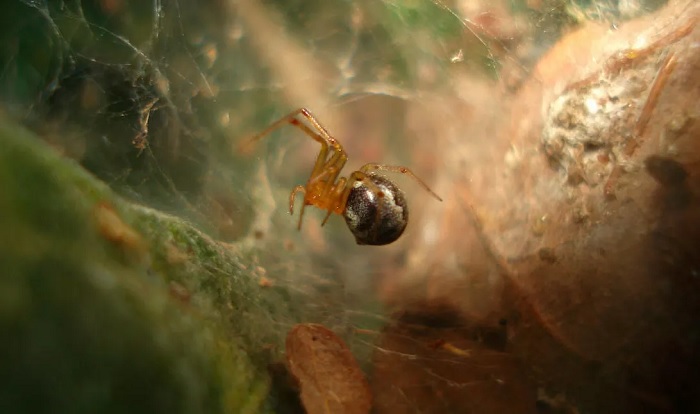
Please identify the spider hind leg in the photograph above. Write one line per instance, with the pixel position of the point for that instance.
(372, 167)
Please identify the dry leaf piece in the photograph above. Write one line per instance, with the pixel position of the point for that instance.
(329, 377)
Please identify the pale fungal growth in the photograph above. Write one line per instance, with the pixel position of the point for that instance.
(585, 126)
(598, 122)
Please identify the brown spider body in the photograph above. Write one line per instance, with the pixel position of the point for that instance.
(376, 220)
(374, 208)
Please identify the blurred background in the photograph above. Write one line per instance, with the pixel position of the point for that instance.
(559, 274)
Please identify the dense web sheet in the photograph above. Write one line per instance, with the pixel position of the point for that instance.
(155, 98)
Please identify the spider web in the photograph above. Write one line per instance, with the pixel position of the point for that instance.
(155, 97)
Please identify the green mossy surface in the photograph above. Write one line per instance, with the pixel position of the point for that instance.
(90, 323)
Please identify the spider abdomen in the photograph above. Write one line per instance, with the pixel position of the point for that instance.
(376, 218)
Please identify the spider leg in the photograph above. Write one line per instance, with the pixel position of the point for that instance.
(328, 215)
(369, 168)
(331, 192)
(312, 119)
(336, 193)
(323, 153)
(330, 172)
(322, 137)
(289, 118)
(301, 215)
(338, 159)
(292, 197)
(325, 169)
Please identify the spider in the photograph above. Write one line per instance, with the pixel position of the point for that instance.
(374, 208)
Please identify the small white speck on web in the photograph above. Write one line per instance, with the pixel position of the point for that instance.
(641, 42)
(591, 105)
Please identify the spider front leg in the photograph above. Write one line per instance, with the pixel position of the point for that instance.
(328, 143)
(371, 167)
(292, 197)
(322, 136)
(325, 146)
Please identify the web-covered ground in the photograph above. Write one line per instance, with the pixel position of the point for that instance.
(156, 97)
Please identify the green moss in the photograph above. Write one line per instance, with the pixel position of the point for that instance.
(90, 323)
